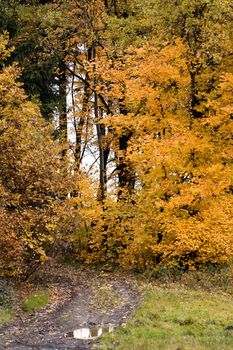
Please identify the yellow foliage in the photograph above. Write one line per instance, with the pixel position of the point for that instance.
(34, 181)
(181, 212)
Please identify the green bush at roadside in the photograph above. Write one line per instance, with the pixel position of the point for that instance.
(35, 301)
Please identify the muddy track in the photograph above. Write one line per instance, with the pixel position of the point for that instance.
(86, 299)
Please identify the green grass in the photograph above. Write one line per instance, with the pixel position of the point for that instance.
(5, 315)
(177, 319)
(35, 301)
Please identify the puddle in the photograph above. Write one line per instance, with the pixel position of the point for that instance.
(90, 333)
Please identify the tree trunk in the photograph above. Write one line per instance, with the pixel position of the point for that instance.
(103, 149)
(62, 106)
(126, 175)
(79, 125)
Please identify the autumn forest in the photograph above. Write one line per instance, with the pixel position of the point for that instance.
(116, 133)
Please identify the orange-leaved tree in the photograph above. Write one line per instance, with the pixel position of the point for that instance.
(185, 201)
(180, 213)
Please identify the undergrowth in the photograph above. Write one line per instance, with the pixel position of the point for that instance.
(35, 301)
(6, 314)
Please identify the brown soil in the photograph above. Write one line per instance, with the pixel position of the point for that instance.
(80, 297)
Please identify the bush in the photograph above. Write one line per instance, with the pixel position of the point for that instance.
(35, 301)
(5, 295)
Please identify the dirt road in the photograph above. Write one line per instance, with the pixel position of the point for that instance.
(87, 303)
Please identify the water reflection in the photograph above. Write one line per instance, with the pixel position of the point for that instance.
(90, 333)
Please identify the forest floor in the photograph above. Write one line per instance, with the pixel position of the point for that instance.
(79, 298)
(188, 311)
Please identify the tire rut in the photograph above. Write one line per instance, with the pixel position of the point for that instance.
(96, 299)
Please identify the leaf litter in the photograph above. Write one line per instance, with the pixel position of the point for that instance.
(84, 303)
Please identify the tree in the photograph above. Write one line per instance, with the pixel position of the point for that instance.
(150, 96)
(182, 163)
(34, 181)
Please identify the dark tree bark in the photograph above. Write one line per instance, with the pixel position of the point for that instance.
(126, 176)
(125, 172)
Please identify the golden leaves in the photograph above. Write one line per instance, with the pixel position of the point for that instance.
(182, 208)
(5, 51)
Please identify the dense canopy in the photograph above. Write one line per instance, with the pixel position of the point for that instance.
(116, 132)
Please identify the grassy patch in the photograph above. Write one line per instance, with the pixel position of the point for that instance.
(177, 318)
(5, 315)
(35, 301)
